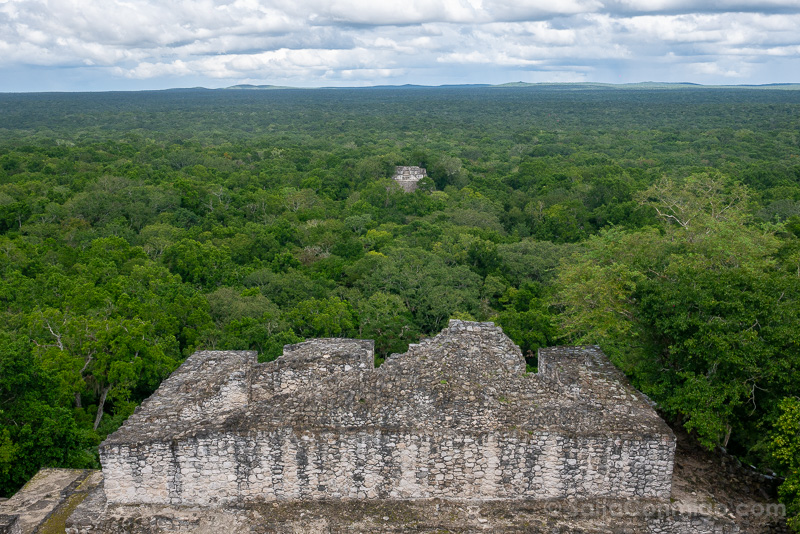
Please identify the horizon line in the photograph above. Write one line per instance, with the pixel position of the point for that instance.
(269, 87)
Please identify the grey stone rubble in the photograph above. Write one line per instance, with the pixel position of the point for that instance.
(408, 177)
(45, 502)
(453, 435)
(9, 524)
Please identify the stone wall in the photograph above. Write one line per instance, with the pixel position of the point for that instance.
(456, 417)
(409, 177)
(287, 464)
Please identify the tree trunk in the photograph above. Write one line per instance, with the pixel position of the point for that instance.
(100, 404)
(78, 399)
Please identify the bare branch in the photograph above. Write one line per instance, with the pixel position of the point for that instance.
(59, 343)
(86, 364)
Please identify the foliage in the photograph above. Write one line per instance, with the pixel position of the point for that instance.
(136, 228)
(700, 314)
(322, 318)
(785, 447)
(385, 318)
(34, 430)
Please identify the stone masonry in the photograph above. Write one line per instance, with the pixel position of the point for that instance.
(409, 177)
(452, 436)
(455, 418)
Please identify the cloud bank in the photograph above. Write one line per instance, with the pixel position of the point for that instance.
(99, 44)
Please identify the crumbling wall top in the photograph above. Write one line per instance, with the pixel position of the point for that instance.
(469, 378)
(357, 353)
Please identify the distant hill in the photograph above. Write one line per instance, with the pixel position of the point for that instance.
(542, 85)
(646, 85)
(250, 87)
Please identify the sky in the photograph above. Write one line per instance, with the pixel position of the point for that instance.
(99, 45)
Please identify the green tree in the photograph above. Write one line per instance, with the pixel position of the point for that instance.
(197, 263)
(431, 290)
(328, 317)
(785, 447)
(527, 319)
(699, 315)
(385, 318)
(35, 431)
(106, 357)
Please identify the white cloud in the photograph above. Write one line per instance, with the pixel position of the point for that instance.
(283, 63)
(700, 6)
(716, 69)
(520, 10)
(311, 42)
(395, 12)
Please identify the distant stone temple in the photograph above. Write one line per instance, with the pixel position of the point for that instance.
(453, 435)
(409, 177)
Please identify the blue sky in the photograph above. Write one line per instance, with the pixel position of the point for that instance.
(95, 45)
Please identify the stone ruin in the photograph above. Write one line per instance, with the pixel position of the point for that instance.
(453, 435)
(409, 177)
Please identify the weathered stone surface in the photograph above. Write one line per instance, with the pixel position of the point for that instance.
(408, 177)
(595, 516)
(45, 502)
(456, 417)
(9, 524)
(451, 436)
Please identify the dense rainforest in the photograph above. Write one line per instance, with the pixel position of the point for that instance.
(662, 224)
